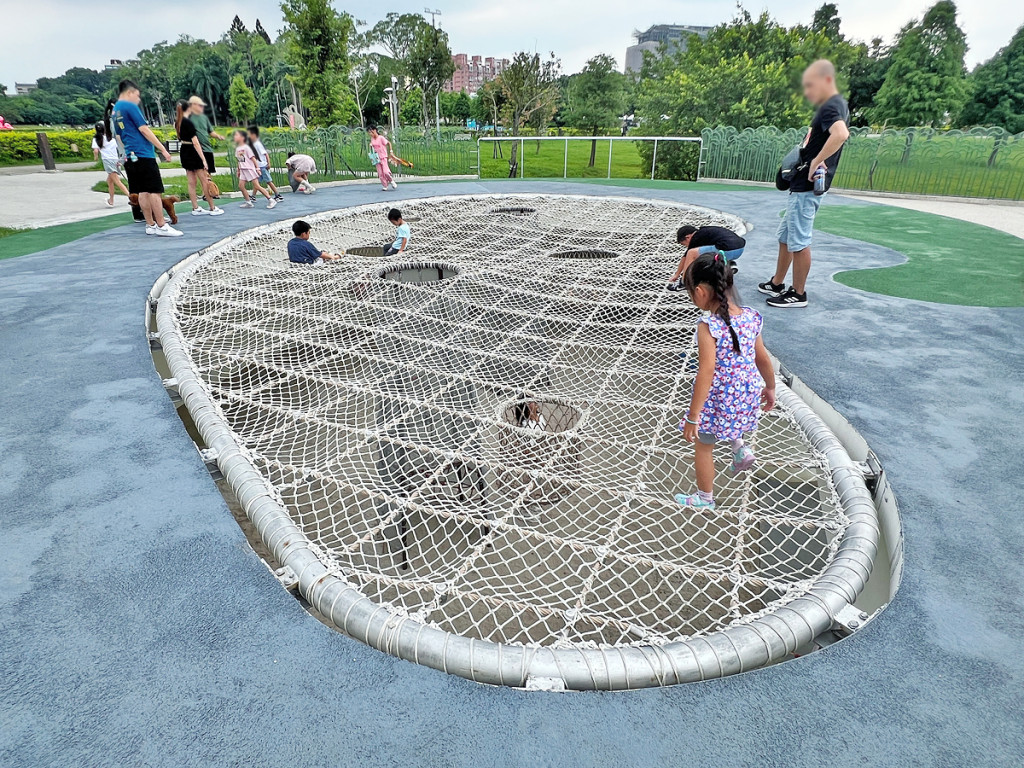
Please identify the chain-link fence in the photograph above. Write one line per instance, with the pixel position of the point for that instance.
(981, 162)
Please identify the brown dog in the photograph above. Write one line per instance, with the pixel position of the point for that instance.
(168, 202)
(210, 189)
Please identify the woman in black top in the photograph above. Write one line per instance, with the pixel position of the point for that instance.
(190, 152)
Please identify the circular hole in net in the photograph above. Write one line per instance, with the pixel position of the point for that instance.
(515, 210)
(418, 272)
(371, 251)
(543, 416)
(587, 253)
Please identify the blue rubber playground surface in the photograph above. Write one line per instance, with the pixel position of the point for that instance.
(138, 628)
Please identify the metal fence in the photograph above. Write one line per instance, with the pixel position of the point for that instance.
(604, 157)
(343, 153)
(980, 162)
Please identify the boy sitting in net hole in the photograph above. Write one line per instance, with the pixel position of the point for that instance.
(402, 234)
(301, 251)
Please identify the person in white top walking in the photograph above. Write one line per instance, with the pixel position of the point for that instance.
(105, 148)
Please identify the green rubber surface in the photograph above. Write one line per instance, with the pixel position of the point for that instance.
(949, 261)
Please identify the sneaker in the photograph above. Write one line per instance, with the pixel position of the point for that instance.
(271, 203)
(167, 231)
(217, 212)
(694, 501)
(771, 289)
(247, 204)
(110, 203)
(310, 189)
(788, 299)
(279, 197)
(394, 184)
(742, 460)
(150, 230)
(200, 212)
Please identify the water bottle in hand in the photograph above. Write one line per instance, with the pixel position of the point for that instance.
(819, 180)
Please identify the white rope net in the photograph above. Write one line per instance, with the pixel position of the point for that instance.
(485, 439)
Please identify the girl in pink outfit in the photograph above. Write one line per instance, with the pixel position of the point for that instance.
(249, 170)
(380, 149)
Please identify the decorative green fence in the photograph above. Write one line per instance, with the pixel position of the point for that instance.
(981, 162)
(343, 153)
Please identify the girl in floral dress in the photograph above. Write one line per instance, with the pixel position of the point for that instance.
(735, 378)
(249, 170)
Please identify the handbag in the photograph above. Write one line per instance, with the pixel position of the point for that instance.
(790, 166)
(374, 157)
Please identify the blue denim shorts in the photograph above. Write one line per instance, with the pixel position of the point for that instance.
(797, 225)
(265, 176)
(732, 255)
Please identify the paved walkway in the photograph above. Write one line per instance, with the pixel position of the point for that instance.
(139, 628)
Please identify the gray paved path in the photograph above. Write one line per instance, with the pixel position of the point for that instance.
(138, 628)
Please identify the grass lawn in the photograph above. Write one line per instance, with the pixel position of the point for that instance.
(178, 185)
(547, 159)
(8, 231)
(938, 268)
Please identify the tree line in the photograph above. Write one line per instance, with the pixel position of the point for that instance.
(336, 70)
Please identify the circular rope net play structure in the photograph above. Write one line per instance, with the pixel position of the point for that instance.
(467, 455)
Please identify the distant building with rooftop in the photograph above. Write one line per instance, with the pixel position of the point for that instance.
(675, 36)
(471, 72)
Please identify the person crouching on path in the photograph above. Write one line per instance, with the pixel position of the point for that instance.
(380, 155)
(299, 167)
(193, 160)
(821, 149)
(140, 146)
(248, 171)
(105, 148)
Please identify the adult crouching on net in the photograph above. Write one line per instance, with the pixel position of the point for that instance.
(821, 149)
(141, 146)
(697, 241)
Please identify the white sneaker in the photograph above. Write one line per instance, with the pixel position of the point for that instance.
(310, 188)
(217, 212)
(394, 184)
(167, 231)
(110, 203)
(200, 212)
(271, 203)
(150, 230)
(247, 204)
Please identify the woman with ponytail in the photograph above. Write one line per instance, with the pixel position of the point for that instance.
(735, 378)
(193, 160)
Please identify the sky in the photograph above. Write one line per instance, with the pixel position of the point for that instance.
(43, 38)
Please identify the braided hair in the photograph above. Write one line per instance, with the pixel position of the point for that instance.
(712, 270)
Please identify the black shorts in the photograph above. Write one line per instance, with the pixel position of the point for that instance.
(210, 165)
(190, 159)
(144, 176)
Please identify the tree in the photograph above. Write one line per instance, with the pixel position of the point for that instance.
(998, 89)
(462, 108)
(926, 80)
(826, 21)
(867, 73)
(317, 46)
(595, 99)
(530, 87)
(242, 100)
(430, 66)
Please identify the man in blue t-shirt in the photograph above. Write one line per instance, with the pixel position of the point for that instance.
(301, 251)
(140, 145)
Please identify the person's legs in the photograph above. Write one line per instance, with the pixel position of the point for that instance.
(110, 187)
(704, 464)
(782, 265)
(191, 175)
(800, 227)
(152, 208)
(120, 184)
(204, 181)
(380, 175)
(801, 268)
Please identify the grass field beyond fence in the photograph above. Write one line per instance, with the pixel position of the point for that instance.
(981, 162)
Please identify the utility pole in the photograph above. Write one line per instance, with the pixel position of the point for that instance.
(437, 94)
